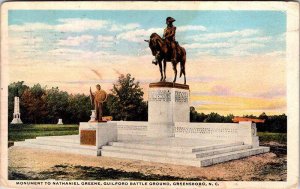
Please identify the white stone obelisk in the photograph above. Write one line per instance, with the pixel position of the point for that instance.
(17, 115)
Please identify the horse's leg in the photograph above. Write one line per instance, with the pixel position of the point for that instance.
(165, 68)
(175, 71)
(160, 69)
(184, 74)
(184, 77)
(182, 70)
(182, 63)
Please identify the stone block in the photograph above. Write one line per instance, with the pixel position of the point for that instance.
(167, 103)
(105, 131)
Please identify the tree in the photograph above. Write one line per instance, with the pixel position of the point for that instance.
(126, 101)
(228, 118)
(193, 114)
(214, 117)
(33, 104)
(79, 109)
(56, 104)
(263, 116)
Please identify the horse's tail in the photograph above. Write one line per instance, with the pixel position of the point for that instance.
(182, 62)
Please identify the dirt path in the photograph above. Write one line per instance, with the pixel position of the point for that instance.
(29, 163)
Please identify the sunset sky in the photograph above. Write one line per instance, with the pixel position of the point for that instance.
(235, 59)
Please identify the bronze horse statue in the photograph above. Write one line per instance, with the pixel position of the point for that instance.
(159, 47)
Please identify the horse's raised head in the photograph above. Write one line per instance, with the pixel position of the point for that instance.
(154, 35)
(153, 43)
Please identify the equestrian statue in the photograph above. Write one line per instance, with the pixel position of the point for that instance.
(167, 49)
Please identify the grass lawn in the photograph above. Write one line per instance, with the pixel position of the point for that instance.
(19, 132)
(272, 137)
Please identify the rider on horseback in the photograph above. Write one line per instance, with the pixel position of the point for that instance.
(169, 37)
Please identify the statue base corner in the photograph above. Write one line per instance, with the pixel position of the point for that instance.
(169, 85)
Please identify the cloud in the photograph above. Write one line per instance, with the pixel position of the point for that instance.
(203, 79)
(83, 81)
(75, 25)
(216, 90)
(106, 41)
(106, 38)
(191, 28)
(208, 102)
(273, 93)
(261, 39)
(30, 27)
(68, 54)
(63, 51)
(221, 90)
(242, 49)
(75, 41)
(80, 25)
(64, 25)
(120, 27)
(24, 41)
(206, 45)
(226, 35)
(247, 42)
(275, 54)
(137, 35)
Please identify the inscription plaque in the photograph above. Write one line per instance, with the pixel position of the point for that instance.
(181, 96)
(88, 137)
(160, 96)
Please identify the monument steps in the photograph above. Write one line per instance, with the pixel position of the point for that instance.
(151, 158)
(61, 148)
(193, 156)
(222, 150)
(164, 153)
(64, 144)
(211, 160)
(60, 139)
(60, 143)
(172, 153)
(174, 147)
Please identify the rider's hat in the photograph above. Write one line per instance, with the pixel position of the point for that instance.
(170, 19)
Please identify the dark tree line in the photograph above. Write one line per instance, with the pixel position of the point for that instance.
(212, 117)
(38, 104)
(41, 105)
(273, 123)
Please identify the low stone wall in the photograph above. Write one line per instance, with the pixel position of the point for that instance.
(243, 131)
(138, 128)
(239, 132)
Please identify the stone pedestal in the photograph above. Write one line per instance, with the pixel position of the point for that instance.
(97, 134)
(60, 122)
(93, 116)
(167, 103)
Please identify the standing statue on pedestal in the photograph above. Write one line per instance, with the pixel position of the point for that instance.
(167, 49)
(97, 99)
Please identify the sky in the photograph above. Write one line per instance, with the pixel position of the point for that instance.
(235, 59)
